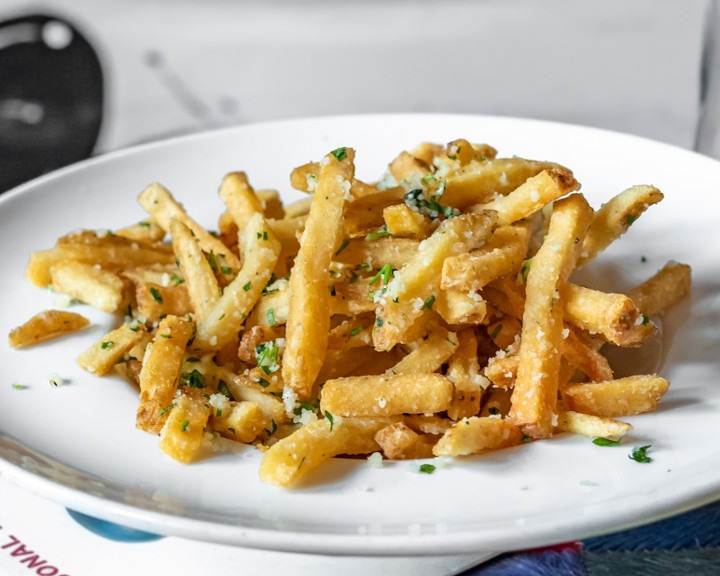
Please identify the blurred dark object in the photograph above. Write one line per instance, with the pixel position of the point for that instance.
(51, 97)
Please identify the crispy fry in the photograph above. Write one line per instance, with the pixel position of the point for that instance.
(477, 434)
(110, 349)
(617, 398)
(663, 289)
(615, 217)
(534, 397)
(309, 313)
(46, 326)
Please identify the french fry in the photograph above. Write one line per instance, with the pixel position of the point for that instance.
(200, 282)
(289, 459)
(430, 355)
(366, 213)
(387, 395)
(225, 318)
(615, 217)
(477, 183)
(239, 421)
(591, 426)
(161, 372)
(162, 206)
(46, 325)
(477, 434)
(534, 398)
(503, 254)
(460, 308)
(663, 289)
(401, 221)
(532, 195)
(399, 442)
(99, 288)
(111, 253)
(104, 354)
(182, 435)
(308, 320)
(464, 372)
(369, 254)
(616, 398)
(615, 316)
(240, 198)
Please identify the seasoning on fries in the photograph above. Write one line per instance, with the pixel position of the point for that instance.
(430, 313)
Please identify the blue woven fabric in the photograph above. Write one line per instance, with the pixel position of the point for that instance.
(684, 545)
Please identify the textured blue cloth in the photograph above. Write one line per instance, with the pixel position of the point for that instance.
(684, 545)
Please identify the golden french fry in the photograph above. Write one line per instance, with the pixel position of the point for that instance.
(532, 195)
(370, 254)
(585, 358)
(615, 217)
(534, 398)
(226, 317)
(110, 253)
(240, 198)
(387, 395)
(663, 289)
(401, 221)
(162, 206)
(614, 316)
(155, 301)
(458, 307)
(503, 254)
(308, 320)
(464, 372)
(430, 355)
(295, 455)
(200, 281)
(399, 442)
(591, 426)
(240, 421)
(616, 398)
(146, 231)
(477, 434)
(161, 372)
(477, 183)
(182, 435)
(46, 325)
(366, 213)
(110, 349)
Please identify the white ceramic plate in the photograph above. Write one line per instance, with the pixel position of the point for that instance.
(77, 443)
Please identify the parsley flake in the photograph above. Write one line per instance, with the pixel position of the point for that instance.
(339, 153)
(639, 454)
(329, 418)
(184, 425)
(107, 344)
(601, 441)
(427, 468)
(377, 234)
(247, 286)
(155, 293)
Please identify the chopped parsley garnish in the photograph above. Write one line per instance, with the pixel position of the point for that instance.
(496, 331)
(639, 454)
(342, 247)
(247, 286)
(429, 178)
(184, 425)
(643, 259)
(155, 293)
(192, 359)
(355, 331)
(600, 441)
(224, 390)
(226, 270)
(630, 219)
(107, 344)
(340, 153)
(18, 386)
(144, 224)
(176, 279)
(378, 322)
(194, 379)
(377, 234)
(273, 428)
(212, 260)
(429, 301)
(427, 468)
(271, 316)
(418, 202)
(263, 235)
(329, 418)
(166, 409)
(362, 266)
(645, 319)
(385, 274)
(264, 383)
(525, 269)
(304, 406)
(267, 357)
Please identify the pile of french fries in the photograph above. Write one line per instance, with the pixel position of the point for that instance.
(428, 314)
